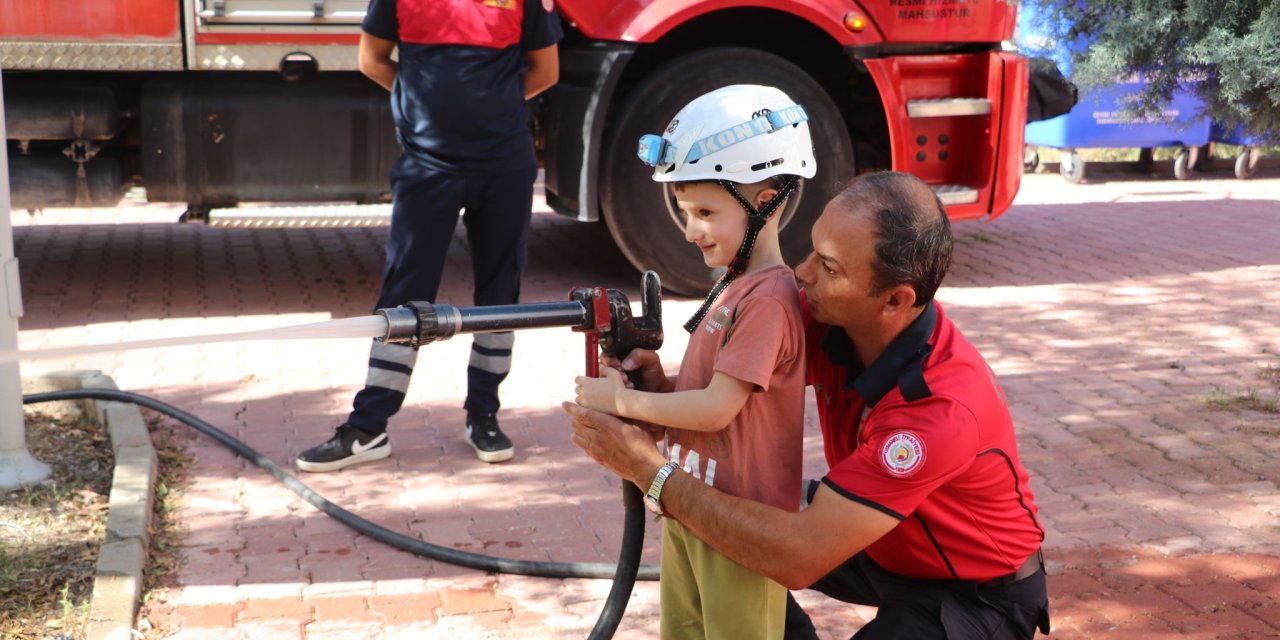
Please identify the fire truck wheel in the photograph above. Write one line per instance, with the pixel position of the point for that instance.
(642, 215)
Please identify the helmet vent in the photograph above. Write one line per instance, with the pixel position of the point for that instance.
(765, 165)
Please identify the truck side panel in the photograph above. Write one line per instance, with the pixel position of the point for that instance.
(648, 20)
(91, 20)
(944, 20)
(892, 21)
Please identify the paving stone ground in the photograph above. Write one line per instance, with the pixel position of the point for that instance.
(1132, 323)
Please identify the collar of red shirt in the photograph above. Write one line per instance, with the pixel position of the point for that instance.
(901, 365)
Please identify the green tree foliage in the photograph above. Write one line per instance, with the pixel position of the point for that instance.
(1227, 51)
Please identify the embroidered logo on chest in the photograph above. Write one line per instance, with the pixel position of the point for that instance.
(902, 454)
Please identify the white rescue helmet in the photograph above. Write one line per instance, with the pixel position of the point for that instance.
(742, 133)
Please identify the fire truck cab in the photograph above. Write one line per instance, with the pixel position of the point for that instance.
(216, 102)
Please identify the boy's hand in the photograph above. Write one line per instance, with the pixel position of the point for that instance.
(653, 378)
(600, 393)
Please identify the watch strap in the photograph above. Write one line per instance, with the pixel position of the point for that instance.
(653, 498)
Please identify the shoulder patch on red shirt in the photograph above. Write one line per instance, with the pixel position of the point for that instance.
(902, 453)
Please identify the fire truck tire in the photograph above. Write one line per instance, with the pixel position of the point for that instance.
(641, 214)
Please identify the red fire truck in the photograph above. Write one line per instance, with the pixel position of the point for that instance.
(217, 102)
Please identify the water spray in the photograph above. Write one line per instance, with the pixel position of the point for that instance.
(602, 315)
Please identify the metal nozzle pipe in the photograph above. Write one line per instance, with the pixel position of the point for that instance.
(421, 323)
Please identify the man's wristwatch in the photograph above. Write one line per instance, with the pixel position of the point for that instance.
(653, 499)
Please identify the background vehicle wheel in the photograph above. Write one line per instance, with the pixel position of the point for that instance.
(1030, 160)
(1203, 159)
(1071, 167)
(641, 213)
(1246, 163)
(1182, 165)
(1146, 160)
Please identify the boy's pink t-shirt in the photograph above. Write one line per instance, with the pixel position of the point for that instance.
(755, 333)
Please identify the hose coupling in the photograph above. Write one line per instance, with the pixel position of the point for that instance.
(420, 323)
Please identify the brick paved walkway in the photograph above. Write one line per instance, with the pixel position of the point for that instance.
(1132, 324)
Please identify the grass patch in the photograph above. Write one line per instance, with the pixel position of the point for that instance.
(1248, 400)
(170, 441)
(50, 532)
(1160, 154)
(1271, 373)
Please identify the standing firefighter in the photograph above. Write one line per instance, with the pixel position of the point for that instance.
(458, 94)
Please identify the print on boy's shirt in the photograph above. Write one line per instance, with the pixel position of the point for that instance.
(694, 465)
(719, 319)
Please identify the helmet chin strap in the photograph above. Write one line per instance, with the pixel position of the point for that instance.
(756, 219)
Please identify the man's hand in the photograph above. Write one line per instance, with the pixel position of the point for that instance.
(621, 447)
(600, 393)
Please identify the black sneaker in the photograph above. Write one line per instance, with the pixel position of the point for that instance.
(348, 446)
(486, 437)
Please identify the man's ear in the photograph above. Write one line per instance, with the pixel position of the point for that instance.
(900, 299)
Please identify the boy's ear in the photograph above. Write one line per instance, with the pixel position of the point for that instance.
(765, 196)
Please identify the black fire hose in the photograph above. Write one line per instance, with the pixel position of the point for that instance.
(624, 573)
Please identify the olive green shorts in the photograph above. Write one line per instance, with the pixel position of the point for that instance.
(705, 595)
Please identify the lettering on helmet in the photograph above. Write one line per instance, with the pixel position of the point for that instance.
(730, 137)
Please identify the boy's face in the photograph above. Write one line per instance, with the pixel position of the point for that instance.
(715, 222)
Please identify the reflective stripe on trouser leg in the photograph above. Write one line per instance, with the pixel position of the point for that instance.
(385, 386)
(490, 363)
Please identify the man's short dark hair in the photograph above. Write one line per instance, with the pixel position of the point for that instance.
(913, 235)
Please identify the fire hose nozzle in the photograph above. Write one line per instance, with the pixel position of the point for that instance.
(420, 323)
(604, 313)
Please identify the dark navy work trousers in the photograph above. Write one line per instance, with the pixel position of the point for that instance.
(424, 214)
(929, 609)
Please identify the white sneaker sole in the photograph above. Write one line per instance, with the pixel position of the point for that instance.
(492, 456)
(364, 456)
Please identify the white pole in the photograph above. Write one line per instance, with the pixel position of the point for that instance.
(17, 467)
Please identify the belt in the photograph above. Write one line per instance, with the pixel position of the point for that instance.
(1033, 564)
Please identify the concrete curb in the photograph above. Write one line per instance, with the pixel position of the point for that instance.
(117, 588)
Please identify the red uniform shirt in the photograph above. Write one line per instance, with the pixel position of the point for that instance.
(923, 434)
(477, 23)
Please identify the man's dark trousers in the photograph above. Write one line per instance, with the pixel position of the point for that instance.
(929, 609)
(424, 215)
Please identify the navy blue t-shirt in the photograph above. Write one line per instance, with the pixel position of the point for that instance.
(460, 108)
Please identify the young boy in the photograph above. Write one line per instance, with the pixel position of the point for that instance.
(733, 157)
